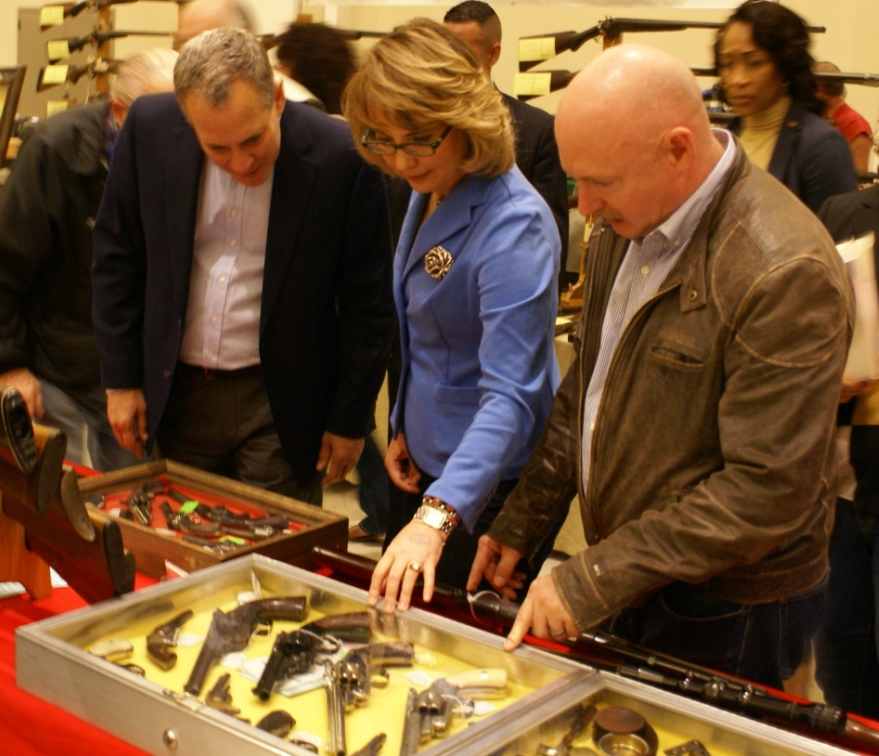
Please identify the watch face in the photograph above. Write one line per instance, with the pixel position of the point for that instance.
(433, 517)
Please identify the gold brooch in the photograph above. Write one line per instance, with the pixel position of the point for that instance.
(437, 262)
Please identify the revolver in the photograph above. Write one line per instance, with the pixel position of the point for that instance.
(231, 631)
(163, 638)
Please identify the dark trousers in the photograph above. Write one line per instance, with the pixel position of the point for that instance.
(764, 643)
(221, 422)
(847, 643)
(374, 489)
(460, 549)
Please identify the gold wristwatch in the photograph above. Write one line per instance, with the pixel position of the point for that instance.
(437, 514)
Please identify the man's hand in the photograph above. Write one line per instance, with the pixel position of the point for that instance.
(28, 385)
(401, 470)
(337, 457)
(544, 613)
(127, 413)
(497, 563)
(416, 544)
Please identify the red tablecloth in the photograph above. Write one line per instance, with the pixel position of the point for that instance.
(28, 725)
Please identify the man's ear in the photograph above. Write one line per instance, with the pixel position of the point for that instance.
(494, 53)
(278, 99)
(118, 111)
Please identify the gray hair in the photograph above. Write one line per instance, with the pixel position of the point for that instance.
(144, 72)
(212, 61)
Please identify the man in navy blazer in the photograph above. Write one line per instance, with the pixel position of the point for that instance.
(242, 303)
(537, 154)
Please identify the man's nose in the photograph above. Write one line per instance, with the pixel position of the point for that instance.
(241, 161)
(588, 202)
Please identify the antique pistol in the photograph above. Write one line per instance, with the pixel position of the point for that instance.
(429, 713)
(351, 627)
(163, 638)
(231, 631)
(348, 685)
(292, 654)
(350, 680)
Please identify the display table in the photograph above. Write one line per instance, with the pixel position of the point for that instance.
(28, 725)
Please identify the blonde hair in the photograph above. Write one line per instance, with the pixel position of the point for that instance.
(422, 75)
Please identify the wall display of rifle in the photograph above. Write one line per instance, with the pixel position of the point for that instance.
(538, 49)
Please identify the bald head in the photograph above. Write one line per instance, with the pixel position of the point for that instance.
(636, 113)
(198, 16)
(637, 86)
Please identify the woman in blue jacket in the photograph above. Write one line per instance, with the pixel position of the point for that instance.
(474, 277)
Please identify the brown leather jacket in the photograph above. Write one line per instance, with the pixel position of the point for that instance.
(712, 454)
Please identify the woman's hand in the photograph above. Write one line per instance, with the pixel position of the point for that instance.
(416, 550)
(401, 470)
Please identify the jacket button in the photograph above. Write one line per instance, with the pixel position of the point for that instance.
(166, 374)
(693, 295)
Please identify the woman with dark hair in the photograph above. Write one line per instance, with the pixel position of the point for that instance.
(762, 57)
(320, 58)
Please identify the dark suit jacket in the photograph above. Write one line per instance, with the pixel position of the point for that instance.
(537, 156)
(327, 309)
(811, 158)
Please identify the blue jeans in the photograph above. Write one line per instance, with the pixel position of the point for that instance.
(83, 419)
(763, 643)
(847, 643)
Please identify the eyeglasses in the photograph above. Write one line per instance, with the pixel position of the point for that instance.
(415, 149)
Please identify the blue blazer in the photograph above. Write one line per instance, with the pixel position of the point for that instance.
(327, 311)
(479, 368)
(811, 158)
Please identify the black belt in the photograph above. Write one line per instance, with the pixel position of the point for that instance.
(210, 374)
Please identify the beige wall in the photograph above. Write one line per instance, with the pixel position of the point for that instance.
(850, 41)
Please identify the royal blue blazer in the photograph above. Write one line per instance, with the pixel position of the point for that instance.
(479, 368)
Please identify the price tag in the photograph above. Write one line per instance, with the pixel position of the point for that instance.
(58, 49)
(55, 74)
(532, 84)
(53, 107)
(537, 48)
(51, 15)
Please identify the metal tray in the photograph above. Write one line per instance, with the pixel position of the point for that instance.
(52, 662)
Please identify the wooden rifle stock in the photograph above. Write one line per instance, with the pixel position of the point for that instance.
(87, 553)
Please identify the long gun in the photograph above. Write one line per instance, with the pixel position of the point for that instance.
(55, 14)
(610, 653)
(534, 50)
(61, 73)
(43, 497)
(59, 49)
(231, 631)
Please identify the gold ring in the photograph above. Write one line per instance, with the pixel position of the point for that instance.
(416, 566)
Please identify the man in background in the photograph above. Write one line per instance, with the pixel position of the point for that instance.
(242, 301)
(537, 156)
(197, 16)
(47, 212)
(851, 124)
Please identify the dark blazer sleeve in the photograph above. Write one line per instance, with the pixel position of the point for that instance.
(327, 313)
(812, 159)
(537, 156)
